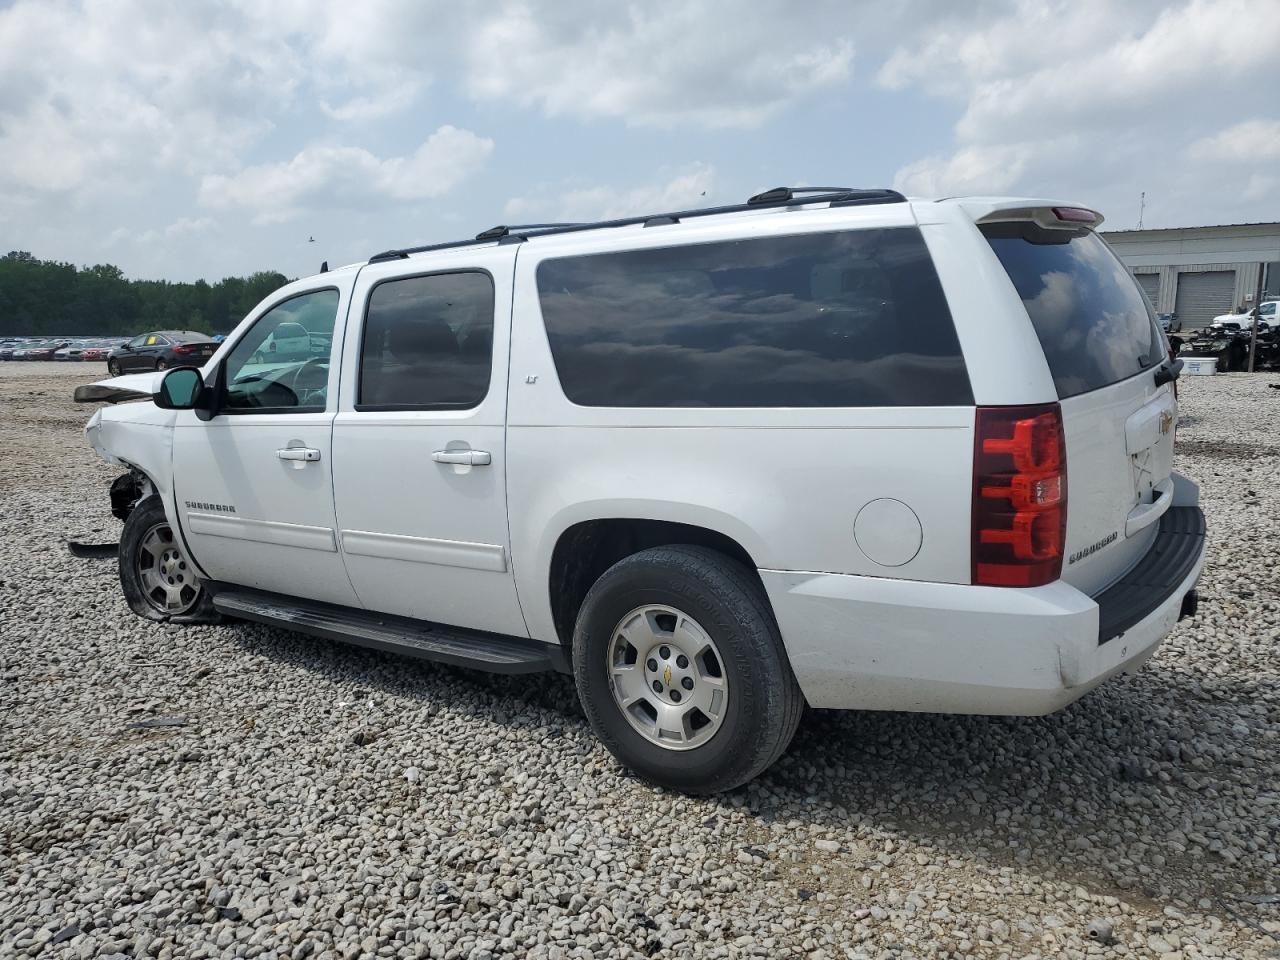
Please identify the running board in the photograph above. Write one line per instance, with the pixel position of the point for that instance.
(416, 638)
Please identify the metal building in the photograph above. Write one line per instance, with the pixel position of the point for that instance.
(1201, 272)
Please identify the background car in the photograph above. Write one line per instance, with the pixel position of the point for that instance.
(160, 350)
(1266, 316)
(44, 350)
(98, 350)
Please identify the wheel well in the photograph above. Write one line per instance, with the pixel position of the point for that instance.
(127, 490)
(586, 550)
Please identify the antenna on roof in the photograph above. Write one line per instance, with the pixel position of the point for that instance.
(324, 267)
(1142, 206)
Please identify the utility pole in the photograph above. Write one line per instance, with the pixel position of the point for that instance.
(1253, 328)
(1142, 207)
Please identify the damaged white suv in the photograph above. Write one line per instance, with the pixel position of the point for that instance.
(831, 446)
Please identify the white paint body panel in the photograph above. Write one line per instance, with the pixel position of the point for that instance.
(865, 643)
(282, 535)
(425, 539)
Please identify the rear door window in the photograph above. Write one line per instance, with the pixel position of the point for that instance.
(1094, 324)
(428, 343)
(846, 319)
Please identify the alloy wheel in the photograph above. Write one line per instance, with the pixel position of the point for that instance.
(667, 677)
(168, 583)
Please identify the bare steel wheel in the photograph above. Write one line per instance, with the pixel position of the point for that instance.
(168, 583)
(667, 677)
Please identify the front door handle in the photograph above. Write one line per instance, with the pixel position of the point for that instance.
(308, 454)
(469, 458)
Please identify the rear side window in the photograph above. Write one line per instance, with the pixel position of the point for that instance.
(428, 343)
(848, 319)
(1093, 322)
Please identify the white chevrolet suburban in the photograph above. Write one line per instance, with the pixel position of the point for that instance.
(830, 446)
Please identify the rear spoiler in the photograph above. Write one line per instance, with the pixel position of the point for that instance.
(1057, 217)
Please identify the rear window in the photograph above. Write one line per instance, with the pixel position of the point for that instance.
(848, 319)
(1093, 322)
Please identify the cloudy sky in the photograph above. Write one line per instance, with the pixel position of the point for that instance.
(193, 139)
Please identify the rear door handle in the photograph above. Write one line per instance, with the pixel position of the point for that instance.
(309, 454)
(470, 458)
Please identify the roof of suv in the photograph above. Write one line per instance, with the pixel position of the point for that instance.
(977, 208)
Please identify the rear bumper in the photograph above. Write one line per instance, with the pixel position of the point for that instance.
(875, 644)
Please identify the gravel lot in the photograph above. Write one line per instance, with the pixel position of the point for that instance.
(240, 791)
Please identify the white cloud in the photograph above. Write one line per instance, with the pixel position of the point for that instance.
(1094, 99)
(651, 65)
(334, 176)
(682, 189)
(1252, 141)
(972, 170)
(95, 93)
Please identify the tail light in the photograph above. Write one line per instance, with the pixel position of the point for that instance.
(1019, 496)
(186, 348)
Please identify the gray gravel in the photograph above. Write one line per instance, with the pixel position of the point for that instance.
(241, 791)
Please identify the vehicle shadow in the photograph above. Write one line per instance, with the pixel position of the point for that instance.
(1122, 791)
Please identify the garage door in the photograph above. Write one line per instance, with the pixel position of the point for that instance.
(1150, 284)
(1203, 296)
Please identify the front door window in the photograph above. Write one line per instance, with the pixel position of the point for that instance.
(282, 364)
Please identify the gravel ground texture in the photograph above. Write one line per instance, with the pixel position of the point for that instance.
(241, 791)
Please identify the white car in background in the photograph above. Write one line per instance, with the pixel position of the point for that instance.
(1267, 318)
(830, 447)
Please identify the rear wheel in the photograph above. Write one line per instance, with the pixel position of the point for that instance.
(160, 364)
(682, 672)
(158, 580)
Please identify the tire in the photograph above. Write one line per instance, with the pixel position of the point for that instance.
(160, 364)
(113, 368)
(143, 580)
(727, 614)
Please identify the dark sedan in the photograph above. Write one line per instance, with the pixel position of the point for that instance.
(161, 350)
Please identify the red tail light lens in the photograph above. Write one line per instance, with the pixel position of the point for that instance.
(1019, 496)
(185, 348)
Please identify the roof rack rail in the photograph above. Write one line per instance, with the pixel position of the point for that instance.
(777, 197)
(500, 231)
(785, 194)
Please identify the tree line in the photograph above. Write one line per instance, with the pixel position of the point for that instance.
(50, 298)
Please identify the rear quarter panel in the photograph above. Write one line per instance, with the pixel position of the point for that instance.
(786, 484)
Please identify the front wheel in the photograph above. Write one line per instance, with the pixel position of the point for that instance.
(158, 580)
(682, 672)
(113, 368)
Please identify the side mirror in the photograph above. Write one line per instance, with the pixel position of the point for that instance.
(181, 389)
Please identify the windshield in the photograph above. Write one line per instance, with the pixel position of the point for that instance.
(1092, 319)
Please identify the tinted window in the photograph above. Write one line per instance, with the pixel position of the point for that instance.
(855, 318)
(428, 343)
(1093, 322)
(282, 363)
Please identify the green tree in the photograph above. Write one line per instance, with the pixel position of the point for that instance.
(50, 298)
